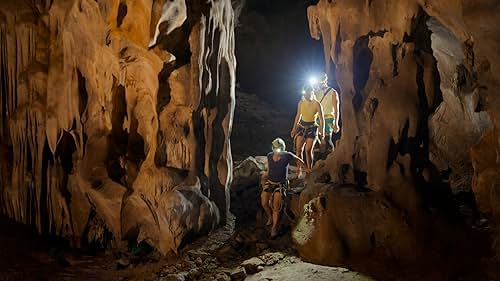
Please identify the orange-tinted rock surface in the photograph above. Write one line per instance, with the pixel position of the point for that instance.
(419, 112)
(116, 117)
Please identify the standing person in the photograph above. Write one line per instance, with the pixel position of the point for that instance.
(305, 129)
(329, 100)
(276, 183)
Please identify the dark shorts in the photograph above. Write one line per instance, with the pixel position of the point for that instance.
(308, 130)
(273, 187)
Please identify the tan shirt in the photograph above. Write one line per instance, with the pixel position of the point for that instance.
(326, 99)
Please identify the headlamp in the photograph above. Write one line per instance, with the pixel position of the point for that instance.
(313, 81)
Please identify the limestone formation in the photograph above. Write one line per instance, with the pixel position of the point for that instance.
(116, 117)
(419, 113)
(245, 188)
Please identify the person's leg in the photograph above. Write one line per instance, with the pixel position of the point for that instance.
(328, 142)
(277, 204)
(324, 145)
(264, 201)
(299, 146)
(310, 152)
(299, 151)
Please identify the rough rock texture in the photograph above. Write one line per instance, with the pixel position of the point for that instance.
(245, 188)
(410, 83)
(110, 111)
(419, 90)
(297, 270)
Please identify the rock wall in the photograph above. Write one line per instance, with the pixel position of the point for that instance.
(116, 117)
(408, 77)
(418, 96)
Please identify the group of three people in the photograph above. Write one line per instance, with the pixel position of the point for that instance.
(316, 119)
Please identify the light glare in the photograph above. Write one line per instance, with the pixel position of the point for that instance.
(313, 80)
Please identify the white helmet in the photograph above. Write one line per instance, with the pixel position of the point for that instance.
(278, 145)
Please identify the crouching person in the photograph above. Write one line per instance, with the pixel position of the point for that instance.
(275, 185)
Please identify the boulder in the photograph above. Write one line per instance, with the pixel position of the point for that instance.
(245, 189)
(252, 265)
(248, 172)
(179, 214)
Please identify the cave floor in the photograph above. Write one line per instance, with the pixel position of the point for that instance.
(24, 255)
(227, 254)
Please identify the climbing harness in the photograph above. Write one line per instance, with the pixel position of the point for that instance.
(282, 187)
(273, 187)
(307, 129)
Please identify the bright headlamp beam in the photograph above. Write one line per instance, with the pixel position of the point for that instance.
(313, 80)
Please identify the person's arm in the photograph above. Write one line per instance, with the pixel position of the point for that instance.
(296, 121)
(336, 111)
(321, 119)
(299, 162)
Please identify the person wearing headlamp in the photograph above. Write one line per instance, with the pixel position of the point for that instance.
(306, 128)
(275, 182)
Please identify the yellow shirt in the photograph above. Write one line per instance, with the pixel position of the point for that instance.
(308, 110)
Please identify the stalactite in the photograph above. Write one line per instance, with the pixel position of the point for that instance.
(59, 72)
(27, 135)
(3, 81)
(58, 211)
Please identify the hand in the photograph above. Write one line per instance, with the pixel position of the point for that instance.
(336, 128)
